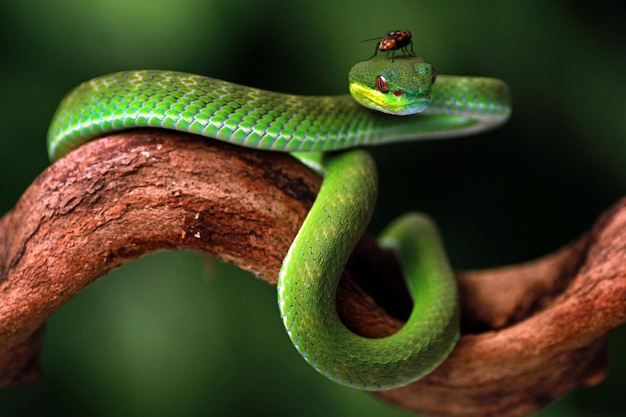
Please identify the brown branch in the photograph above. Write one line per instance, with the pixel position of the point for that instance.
(532, 332)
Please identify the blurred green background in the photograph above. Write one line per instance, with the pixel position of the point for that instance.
(163, 336)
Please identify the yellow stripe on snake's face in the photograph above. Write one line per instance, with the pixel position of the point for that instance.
(401, 87)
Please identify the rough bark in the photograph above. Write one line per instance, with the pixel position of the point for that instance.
(531, 332)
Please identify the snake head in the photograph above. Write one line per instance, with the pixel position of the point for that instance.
(401, 87)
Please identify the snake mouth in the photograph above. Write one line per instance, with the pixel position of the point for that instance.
(401, 103)
(396, 102)
(406, 104)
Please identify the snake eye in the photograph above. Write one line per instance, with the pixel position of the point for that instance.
(433, 76)
(381, 84)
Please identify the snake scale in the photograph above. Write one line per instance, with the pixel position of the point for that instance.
(391, 100)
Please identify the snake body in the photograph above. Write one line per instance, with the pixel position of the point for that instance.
(310, 126)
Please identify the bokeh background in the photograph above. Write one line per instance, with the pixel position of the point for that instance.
(168, 336)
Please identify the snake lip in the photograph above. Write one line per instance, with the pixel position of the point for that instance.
(406, 108)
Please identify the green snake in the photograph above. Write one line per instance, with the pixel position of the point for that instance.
(310, 127)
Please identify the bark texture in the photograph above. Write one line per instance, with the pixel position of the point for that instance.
(531, 332)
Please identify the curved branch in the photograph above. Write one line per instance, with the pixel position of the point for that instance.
(531, 332)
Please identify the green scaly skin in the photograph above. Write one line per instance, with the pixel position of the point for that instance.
(307, 127)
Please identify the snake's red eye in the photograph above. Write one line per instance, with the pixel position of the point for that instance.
(381, 84)
(433, 76)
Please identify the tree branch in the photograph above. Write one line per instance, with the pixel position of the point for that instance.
(531, 332)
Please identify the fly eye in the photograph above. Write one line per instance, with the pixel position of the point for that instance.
(381, 84)
(397, 93)
(433, 76)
